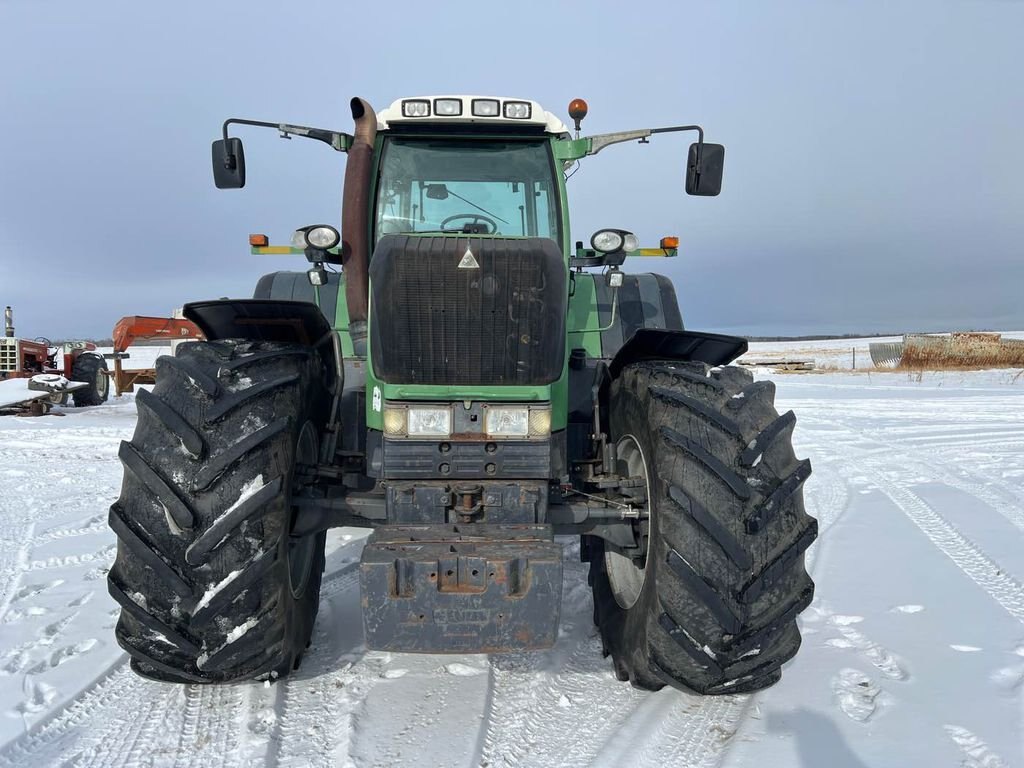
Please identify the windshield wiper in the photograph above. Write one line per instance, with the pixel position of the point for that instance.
(470, 202)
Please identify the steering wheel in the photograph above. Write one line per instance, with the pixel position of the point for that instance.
(473, 219)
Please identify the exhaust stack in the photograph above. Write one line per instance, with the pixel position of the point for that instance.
(9, 323)
(355, 235)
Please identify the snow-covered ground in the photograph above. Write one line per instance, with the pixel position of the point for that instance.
(913, 650)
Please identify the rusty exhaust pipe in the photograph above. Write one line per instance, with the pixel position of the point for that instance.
(355, 213)
(9, 323)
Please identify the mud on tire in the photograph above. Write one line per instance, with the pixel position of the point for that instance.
(211, 586)
(724, 576)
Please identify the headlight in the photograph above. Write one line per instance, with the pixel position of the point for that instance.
(507, 422)
(317, 236)
(606, 240)
(430, 422)
(322, 237)
(630, 242)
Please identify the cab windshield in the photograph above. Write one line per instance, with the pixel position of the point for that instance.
(497, 187)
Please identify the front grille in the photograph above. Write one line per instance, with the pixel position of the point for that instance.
(502, 322)
(9, 355)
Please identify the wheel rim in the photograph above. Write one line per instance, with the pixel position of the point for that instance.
(300, 552)
(627, 574)
(102, 383)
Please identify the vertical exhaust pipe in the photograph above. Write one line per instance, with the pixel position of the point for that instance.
(9, 323)
(355, 215)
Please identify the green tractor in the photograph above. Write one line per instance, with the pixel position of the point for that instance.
(469, 385)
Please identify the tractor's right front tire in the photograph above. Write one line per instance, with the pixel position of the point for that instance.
(211, 584)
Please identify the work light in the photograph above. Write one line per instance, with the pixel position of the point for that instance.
(317, 275)
(415, 108)
(606, 240)
(322, 237)
(517, 110)
(448, 107)
(486, 108)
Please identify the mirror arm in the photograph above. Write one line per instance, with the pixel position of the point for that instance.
(599, 142)
(337, 140)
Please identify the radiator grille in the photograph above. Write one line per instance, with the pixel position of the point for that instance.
(502, 322)
(9, 355)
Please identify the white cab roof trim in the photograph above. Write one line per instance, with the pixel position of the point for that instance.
(538, 115)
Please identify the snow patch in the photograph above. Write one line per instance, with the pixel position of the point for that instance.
(173, 526)
(240, 630)
(216, 588)
(463, 670)
(855, 693)
(977, 751)
(908, 609)
(965, 648)
(249, 490)
(394, 674)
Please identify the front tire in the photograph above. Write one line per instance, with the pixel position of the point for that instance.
(211, 585)
(711, 601)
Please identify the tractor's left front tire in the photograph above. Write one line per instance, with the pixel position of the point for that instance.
(90, 368)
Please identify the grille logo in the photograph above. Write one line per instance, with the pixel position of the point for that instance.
(468, 260)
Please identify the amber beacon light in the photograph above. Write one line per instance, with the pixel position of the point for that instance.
(577, 111)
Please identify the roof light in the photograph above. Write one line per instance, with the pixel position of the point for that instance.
(577, 111)
(630, 242)
(447, 107)
(259, 241)
(486, 108)
(668, 243)
(517, 110)
(415, 108)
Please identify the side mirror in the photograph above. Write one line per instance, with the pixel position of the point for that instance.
(705, 180)
(228, 164)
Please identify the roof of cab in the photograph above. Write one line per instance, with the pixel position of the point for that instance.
(537, 115)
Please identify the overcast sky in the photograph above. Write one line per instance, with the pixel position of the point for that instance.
(874, 174)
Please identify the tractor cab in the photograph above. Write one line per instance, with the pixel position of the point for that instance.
(471, 165)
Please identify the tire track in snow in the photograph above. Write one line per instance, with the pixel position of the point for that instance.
(673, 728)
(47, 743)
(532, 719)
(313, 716)
(136, 718)
(208, 725)
(965, 554)
(18, 565)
